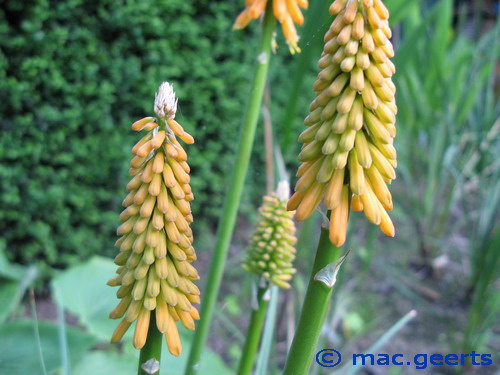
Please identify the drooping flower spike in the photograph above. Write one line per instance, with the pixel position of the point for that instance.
(287, 12)
(348, 153)
(271, 252)
(155, 274)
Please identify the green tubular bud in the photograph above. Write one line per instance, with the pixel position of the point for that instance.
(325, 60)
(310, 151)
(329, 73)
(329, 110)
(324, 131)
(271, 250)
(326, 170)
(310, 133)
(339, 125)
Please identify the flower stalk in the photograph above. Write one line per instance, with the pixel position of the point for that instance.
(313, 311)
(253, 333)
(228, 218)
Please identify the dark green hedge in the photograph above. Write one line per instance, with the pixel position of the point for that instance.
(73, 75)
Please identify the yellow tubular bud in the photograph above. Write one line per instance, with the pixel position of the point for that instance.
(339, 125)
(122, 307)
(158, 139)
(139, 124)
(386, 225)
(362, 150)
(376, 127)
(329, 110)
(173, 340)
(357, 81)
(356, 204)
(381, 163)
(120, 330)
(355, 120)
(309, 176)
(356, 175)
(337, 85)
(159, 160)
(347, 140)
(325, 172)
(325, 60)
(362, 60)
(334, 189)
(351, 48)
(340, 159)
(358, 27)
(311, 199)
(370, 206)
(339, 218)
(339, 55)
(348, 64)
(141, 328)
(350, 11)
(346, 99)
(379, 186)
(369, 97)
(344, 35)
(331, 143)
(337, 6)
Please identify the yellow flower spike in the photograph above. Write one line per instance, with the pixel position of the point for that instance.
(157, 212)
(351, 122)
(271, 251)
(287, 12)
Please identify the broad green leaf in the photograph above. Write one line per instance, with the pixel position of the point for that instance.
(8, 298)
(82, 290)
(19, 351)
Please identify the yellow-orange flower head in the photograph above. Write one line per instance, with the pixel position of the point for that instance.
(348, 153)
(287, 12)
(155, 274)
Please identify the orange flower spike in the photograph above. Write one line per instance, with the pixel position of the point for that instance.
(287, 12)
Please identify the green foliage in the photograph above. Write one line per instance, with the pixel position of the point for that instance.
(14, 280)
(91, 301)
(73, 76)
(20, 353)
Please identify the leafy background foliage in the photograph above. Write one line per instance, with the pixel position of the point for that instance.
(73, 76)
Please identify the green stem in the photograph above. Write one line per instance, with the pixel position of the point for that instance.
(313, 312)
(253, 335)
(152, 348)
(228, 218)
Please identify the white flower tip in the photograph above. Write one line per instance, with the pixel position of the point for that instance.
(165, 101)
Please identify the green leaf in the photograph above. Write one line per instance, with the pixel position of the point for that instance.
(82, 290)
(8, 298)
(19, 350)
(105, 363)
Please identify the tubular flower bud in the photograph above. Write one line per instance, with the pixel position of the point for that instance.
(287, 12)
(271, 252)
(155, 274)
(348, 153)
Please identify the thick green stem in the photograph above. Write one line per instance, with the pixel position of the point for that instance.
(253, 335)
(228, 218)
(313, 313)
(152, 348)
